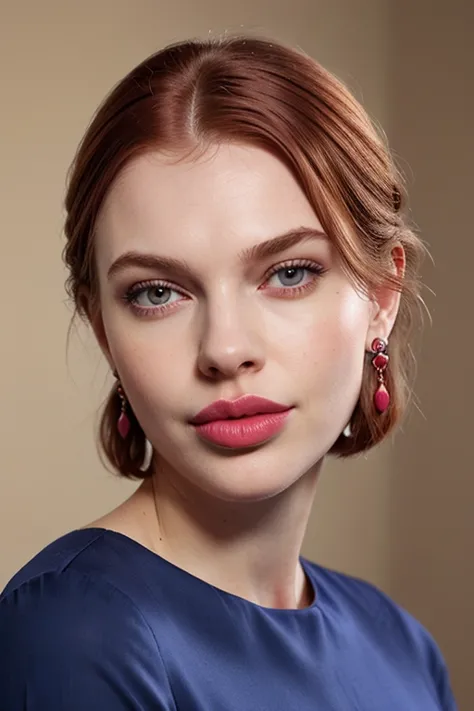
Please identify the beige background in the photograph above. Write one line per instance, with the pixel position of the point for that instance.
(400, 517)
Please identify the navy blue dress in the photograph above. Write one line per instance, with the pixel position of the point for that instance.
(97, 622)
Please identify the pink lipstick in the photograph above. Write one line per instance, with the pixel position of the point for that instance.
(245, 422)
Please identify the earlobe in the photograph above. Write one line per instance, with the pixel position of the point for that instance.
(383, 320)
(386, 302)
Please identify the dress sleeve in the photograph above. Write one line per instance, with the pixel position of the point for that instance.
(69, 643)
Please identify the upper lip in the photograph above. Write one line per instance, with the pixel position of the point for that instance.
(245, 405)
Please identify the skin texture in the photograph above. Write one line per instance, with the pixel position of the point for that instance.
(235, 518)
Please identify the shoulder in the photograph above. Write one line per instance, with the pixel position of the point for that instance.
(55, 557)
(70, 607)
(81, 574)
(370, 608)
(390, 627)
(103, 556)
(66, 630)
(362, 600)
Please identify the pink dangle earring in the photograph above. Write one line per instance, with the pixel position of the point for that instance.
(380, 362)
(123, 423)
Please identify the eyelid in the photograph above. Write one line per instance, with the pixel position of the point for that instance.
(139, 286)
(298, 263)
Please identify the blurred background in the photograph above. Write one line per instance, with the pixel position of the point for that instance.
(400, 517)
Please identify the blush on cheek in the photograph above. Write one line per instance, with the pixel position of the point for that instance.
(335, 345)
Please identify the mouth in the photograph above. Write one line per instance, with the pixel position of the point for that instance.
(242, 423)
(245, 406)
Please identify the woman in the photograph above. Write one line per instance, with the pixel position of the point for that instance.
(235, 239)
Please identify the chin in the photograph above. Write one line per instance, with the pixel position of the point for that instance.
(245, 493)
(249, 474)
(254, 475)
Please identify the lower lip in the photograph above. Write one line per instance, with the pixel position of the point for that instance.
(243, 432)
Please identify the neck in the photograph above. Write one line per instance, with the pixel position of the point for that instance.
(248, 549)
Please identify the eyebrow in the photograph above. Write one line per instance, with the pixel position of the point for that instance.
(258, 252)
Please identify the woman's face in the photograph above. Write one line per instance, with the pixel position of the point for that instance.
(192, 311)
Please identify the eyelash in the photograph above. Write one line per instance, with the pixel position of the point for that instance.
(136, 290)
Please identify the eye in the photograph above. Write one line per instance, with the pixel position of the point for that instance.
(290, 276)
(294, 276)
(157, 295)
(152, 297)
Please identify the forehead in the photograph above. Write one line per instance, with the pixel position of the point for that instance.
(238, 192)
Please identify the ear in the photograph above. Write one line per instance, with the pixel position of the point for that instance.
(90, 307)
(386, 302)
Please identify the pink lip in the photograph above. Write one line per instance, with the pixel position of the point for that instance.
(243, 407)
(260, 420)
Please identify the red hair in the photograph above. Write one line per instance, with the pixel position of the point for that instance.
(194, 94)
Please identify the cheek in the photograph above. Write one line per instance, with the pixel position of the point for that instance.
(151, 366)
(153, 373)
(331, 341)
(135, 342)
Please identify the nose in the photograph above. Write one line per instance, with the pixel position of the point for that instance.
(231, 342)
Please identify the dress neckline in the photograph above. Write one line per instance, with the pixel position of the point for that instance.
(305, 564)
